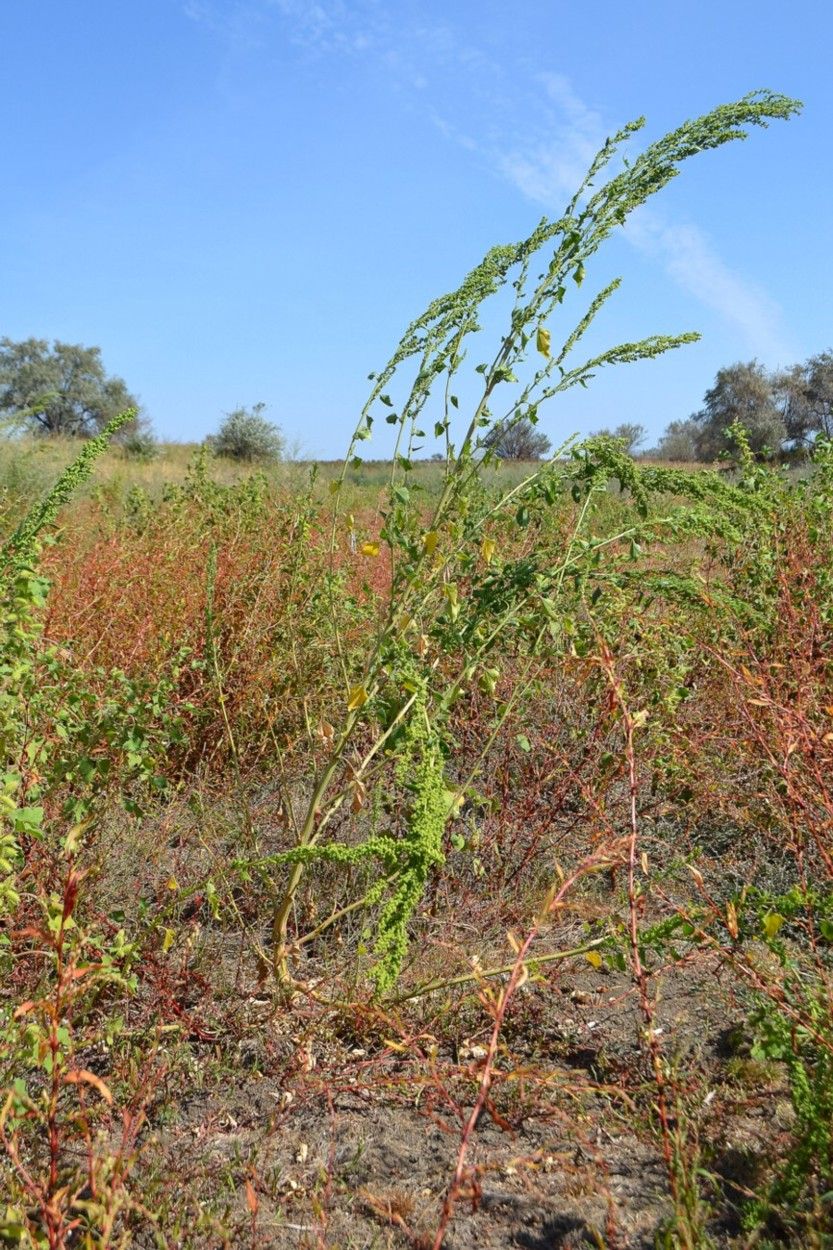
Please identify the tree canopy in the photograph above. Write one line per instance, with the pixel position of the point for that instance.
(517, 441)
(60, 390)
(783, 410)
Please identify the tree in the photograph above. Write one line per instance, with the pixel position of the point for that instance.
(517, 441)
(804, 394)
(247, 435)
(679, 442)
(742, 393)
(630, 434)
(62, 390)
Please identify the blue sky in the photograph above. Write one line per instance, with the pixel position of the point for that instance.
(248, 200)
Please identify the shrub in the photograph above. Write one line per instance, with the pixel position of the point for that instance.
(245, 434)
(140, 445)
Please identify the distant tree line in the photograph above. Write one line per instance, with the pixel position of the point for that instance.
(63, 391)
(783, 411)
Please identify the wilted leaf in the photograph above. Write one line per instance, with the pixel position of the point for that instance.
(83, 1076)
(487, 549)
(357, 698)
(359, 796)
(430, 541)
(542, 341)
(594, 958)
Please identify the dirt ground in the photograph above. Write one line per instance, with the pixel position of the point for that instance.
(326, 1130)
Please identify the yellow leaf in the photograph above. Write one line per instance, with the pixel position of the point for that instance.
(542, 342)
(594, 958)
(357, 699)
(370, 549)
(74, 836)
(430, 541)
(172, 883)
(772, 924)
(732, 920)
(487, 549)
(168, 940)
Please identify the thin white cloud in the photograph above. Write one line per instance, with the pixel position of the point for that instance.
(691, 260)
(562, 133)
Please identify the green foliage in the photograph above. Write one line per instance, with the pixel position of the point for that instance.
(782, 412)
(453, 602)
(791, 1020)
(62, 390)
(140, 445)
(741, 395)
(20, 547)
(56, 733)
(573, 607)
(245, 434)
(630, 434)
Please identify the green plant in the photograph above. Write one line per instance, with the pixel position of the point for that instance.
(245, 434)
(47, 727)
(23, 700)
(454, 605)
(47, 1117)
(62, 390)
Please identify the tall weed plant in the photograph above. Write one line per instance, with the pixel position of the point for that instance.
(457, 603)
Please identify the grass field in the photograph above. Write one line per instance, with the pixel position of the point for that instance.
(375, 885)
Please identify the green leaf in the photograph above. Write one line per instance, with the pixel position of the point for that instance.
(27, 820)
